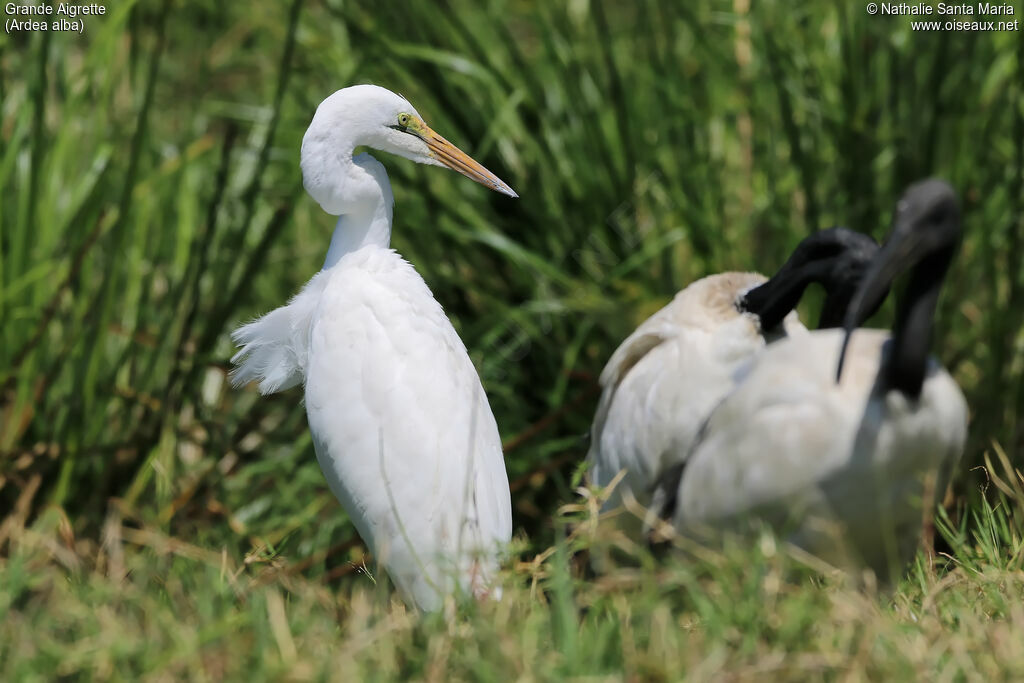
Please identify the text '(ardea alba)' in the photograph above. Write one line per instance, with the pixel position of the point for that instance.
(845, 469)
(401, 425)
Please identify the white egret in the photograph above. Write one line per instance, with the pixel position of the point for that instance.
(401, 425)
(843, 468)
(662, 382)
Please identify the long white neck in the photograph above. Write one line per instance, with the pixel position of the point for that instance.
(354, 231)
(357, 190)
(354, 188)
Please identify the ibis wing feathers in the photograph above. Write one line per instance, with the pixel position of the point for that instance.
(632, 351)
(650, 334)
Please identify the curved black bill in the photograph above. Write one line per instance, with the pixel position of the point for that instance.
(920, 227)
(895, 257)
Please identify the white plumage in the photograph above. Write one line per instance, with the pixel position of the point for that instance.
(664, 379)
(844, 469)
(401, 424)
(662, 382)
(838, 468)
(274, 348)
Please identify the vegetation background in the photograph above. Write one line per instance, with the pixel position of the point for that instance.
(156, 523)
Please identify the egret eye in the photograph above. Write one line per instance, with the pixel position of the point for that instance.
(403, 120)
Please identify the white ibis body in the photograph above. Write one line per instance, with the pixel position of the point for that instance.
(662, 382)
(843, 469)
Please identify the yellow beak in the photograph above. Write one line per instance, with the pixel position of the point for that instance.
(457, 160)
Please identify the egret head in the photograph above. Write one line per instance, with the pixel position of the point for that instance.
(371, 116)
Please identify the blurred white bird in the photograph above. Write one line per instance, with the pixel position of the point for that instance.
(844, 469)
(662, 382)
(401, 425)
